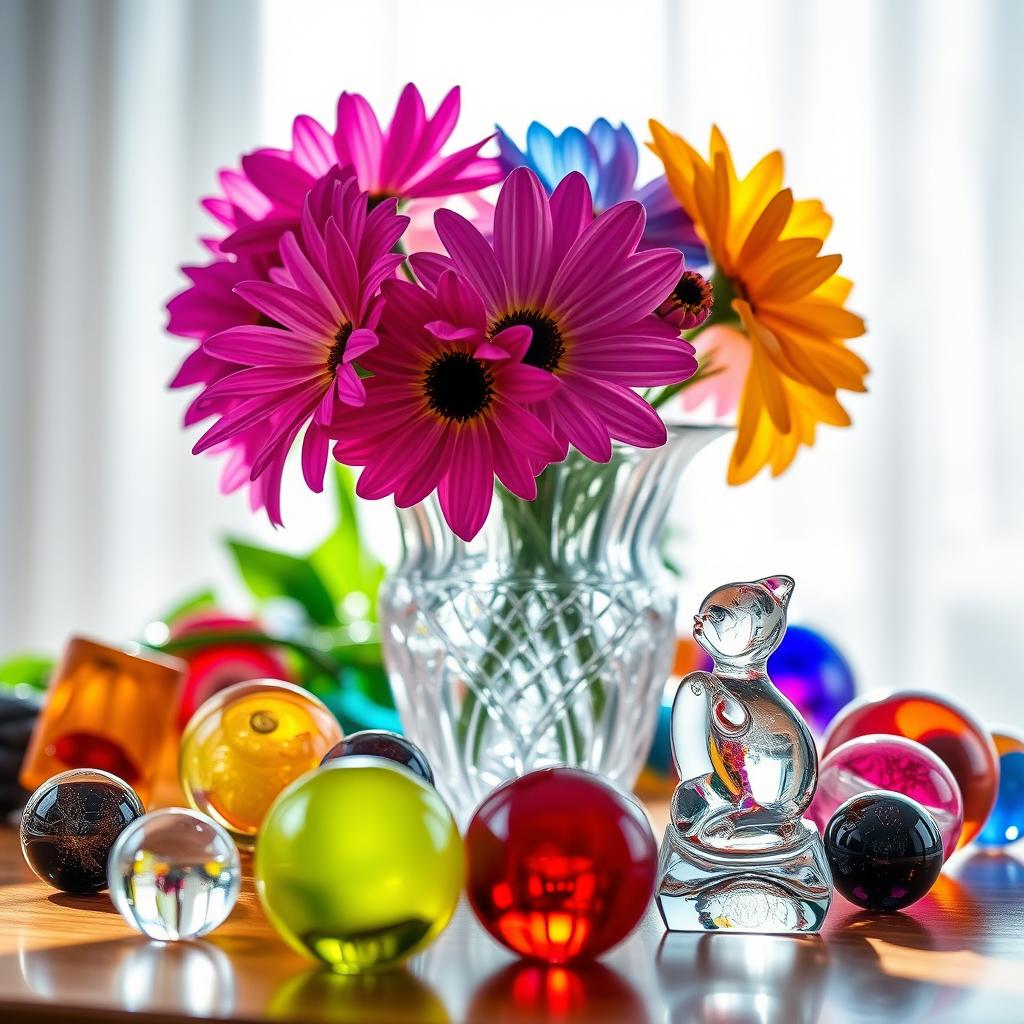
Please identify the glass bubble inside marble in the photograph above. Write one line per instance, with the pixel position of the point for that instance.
(70, 824)
(1005, 825)
(561, 864)
(245, 745)
(885, 850)
(381, 743)
(944, 728)
(174, 874)
(359, 864)
(737, 853)
(891, 763)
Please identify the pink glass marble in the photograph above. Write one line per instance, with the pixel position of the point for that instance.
(895, 764)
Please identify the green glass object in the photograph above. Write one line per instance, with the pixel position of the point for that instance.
(359, 864)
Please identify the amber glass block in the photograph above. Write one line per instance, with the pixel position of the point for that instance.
(106, 708)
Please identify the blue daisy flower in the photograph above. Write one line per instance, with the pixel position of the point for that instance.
(607, 157)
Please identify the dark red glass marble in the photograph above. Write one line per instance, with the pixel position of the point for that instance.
(562, 865)
(381, 743)
(885, 850)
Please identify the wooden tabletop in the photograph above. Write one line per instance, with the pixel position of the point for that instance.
(956, 956)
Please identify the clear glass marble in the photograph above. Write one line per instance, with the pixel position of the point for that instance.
(738, 854)
(174, 874)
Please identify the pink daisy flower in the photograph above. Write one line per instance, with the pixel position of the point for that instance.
(327, 301)
(445, 407)
(403, 161)
(588, 299)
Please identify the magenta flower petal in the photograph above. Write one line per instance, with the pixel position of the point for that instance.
(305, 278)
(572, 211)
(515, 473)
(359, 343)
(281, 180)
(606, 242)
(358, 140)
(429, 266)
(651, 361)
(522, 236)
(287, 306)
(514, 340)
(472, 256)
(312, 146)
(350, 389)
(466, 489)
(528, 383)
(315, 449)
(584, 430)
(264, 346)
(626, 415)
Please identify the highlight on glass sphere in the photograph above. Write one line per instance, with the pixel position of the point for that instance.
(70, 824)
(174, 874)
(938, 724)
(392, 746)
(895, 764)
(884, 849)
(246, 744)
(1005, 824)
(562, 865)
(359, 864)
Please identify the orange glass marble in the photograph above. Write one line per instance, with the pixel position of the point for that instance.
(106, 709)
(942, 727)
(246, 744)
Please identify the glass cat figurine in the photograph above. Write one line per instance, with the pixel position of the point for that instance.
(738, 854)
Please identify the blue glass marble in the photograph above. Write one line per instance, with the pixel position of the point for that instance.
(1005, 824)
(812, 673)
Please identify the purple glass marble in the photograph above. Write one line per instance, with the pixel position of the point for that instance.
(879, 762)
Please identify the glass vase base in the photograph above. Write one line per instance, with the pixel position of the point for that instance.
(778, 893)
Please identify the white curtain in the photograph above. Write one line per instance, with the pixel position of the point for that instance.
(905, 533)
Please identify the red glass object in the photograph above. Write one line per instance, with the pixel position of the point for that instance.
(561, 864)
(214, 668)
(944, 729)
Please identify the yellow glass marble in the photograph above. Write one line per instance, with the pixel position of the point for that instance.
(245, 744)
(359, 864)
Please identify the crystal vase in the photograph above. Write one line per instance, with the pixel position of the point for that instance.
(547, 639)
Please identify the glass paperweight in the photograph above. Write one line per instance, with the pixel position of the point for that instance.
(107, 709)
(561, 865)
(1005, 824)
(944, 728)
(174, 874)
(246, 744)
(737, 854)
(895, 764)
(359, 864)
(885, 850)
(70, 824)
(392, 746)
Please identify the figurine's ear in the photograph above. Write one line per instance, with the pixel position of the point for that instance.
(781, 587)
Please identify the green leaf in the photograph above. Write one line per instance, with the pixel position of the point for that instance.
(195, 602)
(27, 669)
(270, 574)
(342, 561)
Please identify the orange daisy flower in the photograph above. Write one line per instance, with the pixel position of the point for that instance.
(775, 293)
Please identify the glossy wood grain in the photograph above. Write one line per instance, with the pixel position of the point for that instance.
(957, 956)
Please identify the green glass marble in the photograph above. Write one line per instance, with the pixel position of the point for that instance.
(359, 864)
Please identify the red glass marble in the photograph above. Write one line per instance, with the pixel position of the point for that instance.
(561, 864)
(943, 728)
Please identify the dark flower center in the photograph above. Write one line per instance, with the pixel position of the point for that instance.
(547, 346)
(690, 291)
(457, 386)
(337, 353)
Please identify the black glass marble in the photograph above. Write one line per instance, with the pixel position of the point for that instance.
(885, 850)
(70, 824)
(381, 743)
(18, 714)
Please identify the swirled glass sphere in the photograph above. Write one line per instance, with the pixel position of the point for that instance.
(889, 763)
(561, 864)
(246, 744)
(359, 864)
(944, 728)
(174, 874)
(70, 824)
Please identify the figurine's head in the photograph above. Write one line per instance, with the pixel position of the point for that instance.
(744, 622)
